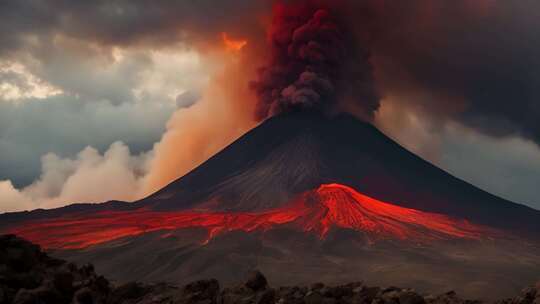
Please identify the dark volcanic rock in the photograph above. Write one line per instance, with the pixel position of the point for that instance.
(256, 280)
(266, 297)
(128, 291)
(529, 295)
(449, 298)
(203, 291)
(410, 297)
(84, 296)
(29, 276)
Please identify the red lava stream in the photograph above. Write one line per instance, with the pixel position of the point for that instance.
(316, 211)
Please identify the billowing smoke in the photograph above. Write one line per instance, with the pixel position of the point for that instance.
(194, 134)
(315, 62)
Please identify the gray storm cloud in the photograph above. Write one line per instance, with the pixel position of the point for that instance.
(481, 53)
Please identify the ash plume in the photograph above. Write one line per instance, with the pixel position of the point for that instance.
(314, 63)
(471, 62)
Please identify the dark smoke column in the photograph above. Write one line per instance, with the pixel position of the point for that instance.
(314, 64)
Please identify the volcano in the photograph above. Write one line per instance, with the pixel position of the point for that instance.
(322, 197)
(293, 153)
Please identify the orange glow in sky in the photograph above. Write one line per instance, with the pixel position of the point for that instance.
(231, 44)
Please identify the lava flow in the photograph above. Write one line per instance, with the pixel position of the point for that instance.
(317, 211)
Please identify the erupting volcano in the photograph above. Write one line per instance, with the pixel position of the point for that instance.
(310, 194)
(325, 196)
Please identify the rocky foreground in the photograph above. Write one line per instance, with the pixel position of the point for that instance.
(30, 276)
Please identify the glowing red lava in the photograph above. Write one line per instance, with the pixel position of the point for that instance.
(331, 205)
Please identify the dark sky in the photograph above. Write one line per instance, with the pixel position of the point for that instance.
(87, 88)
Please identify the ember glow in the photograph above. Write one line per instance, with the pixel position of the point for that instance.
(318, 211)
(231, 44)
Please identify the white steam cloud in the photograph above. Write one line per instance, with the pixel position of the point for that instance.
(90, 177)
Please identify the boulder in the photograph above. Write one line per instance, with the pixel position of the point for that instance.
(256, 281)
(28, 275)
(367, 294)
(410, 297)
(63, 281)
(42, 294)
(128, 291)
(529, 293)
(18, 254)
(84, 296)
(316, 286)
(203, 291)
(329, 301)
(313, 297)
(266, 296)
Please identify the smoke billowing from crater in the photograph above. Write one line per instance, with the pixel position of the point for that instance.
(314, 62)
(471, 62)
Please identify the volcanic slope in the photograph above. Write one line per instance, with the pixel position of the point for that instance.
(296, 152)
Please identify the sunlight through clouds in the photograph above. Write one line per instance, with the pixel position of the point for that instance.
(17, 83)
